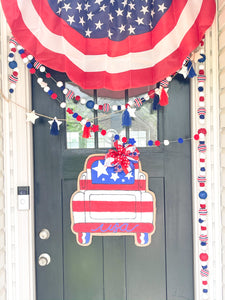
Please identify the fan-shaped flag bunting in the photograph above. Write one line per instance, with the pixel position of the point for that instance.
(110, 44)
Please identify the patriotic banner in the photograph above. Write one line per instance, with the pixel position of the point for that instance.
(110, 43)
(112, 203)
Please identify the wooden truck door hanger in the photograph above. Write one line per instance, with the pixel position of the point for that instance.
(113, 199)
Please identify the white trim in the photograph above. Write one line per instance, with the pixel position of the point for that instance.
(18, 165)
(214, 202)
(18, 171)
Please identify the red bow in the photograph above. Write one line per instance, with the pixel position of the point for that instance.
(122, 158)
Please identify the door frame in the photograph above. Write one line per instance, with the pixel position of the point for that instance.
(18, 227)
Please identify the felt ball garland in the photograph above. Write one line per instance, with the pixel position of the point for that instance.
(13, 78)
(158, 96)
(202, 178)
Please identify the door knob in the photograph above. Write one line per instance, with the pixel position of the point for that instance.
(44, 234)
(44, 259)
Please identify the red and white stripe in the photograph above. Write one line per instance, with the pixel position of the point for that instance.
(102, 63)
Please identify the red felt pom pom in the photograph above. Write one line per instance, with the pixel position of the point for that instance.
(151, 94)
(201, 99)
(124, 139)
(204, 257)
(196, 137)
(100, 107)
(48, 75)
(157, 143)
(95, 128)
(54, 96)
(202, 130)
(103, 132)
(69, 110)
(204, 282)
(201, 72)
(15, 73)
(32, 71)
(202, 184)
(13, 49)
(79, 118)
(23, 55)
(77, 98)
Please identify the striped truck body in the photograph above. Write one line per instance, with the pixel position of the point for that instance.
(102, 206)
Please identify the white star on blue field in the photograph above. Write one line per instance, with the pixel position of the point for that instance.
(106, 175)
(111, 18)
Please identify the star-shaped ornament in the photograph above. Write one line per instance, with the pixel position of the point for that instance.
(131, 112)
(31, 117)
(183, 71)
(56, 120)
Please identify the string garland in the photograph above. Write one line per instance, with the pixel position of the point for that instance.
(158, 96)
(201, 178)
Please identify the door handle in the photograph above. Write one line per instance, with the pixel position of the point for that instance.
(44, 259)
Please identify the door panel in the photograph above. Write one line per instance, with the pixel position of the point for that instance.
(146, 278)
(113, 268)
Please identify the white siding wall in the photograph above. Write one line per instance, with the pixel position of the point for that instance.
(2, 205)
(16, 228)
(221, 22)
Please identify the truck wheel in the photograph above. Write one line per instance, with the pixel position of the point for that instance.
(142, 238)
(83, 238)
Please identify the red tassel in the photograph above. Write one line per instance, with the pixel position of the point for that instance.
(86, 132)
(164, 99)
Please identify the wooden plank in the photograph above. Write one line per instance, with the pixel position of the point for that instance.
(114, 268)
(83, 266)
(47, 194)
(178, 195)
(146, 266)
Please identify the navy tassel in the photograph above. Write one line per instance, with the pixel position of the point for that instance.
(54, 128)
(191, 71)
(155, 104)
(126, 119)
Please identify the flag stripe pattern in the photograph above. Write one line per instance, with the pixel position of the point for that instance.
(108, 202)
(109, 43)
